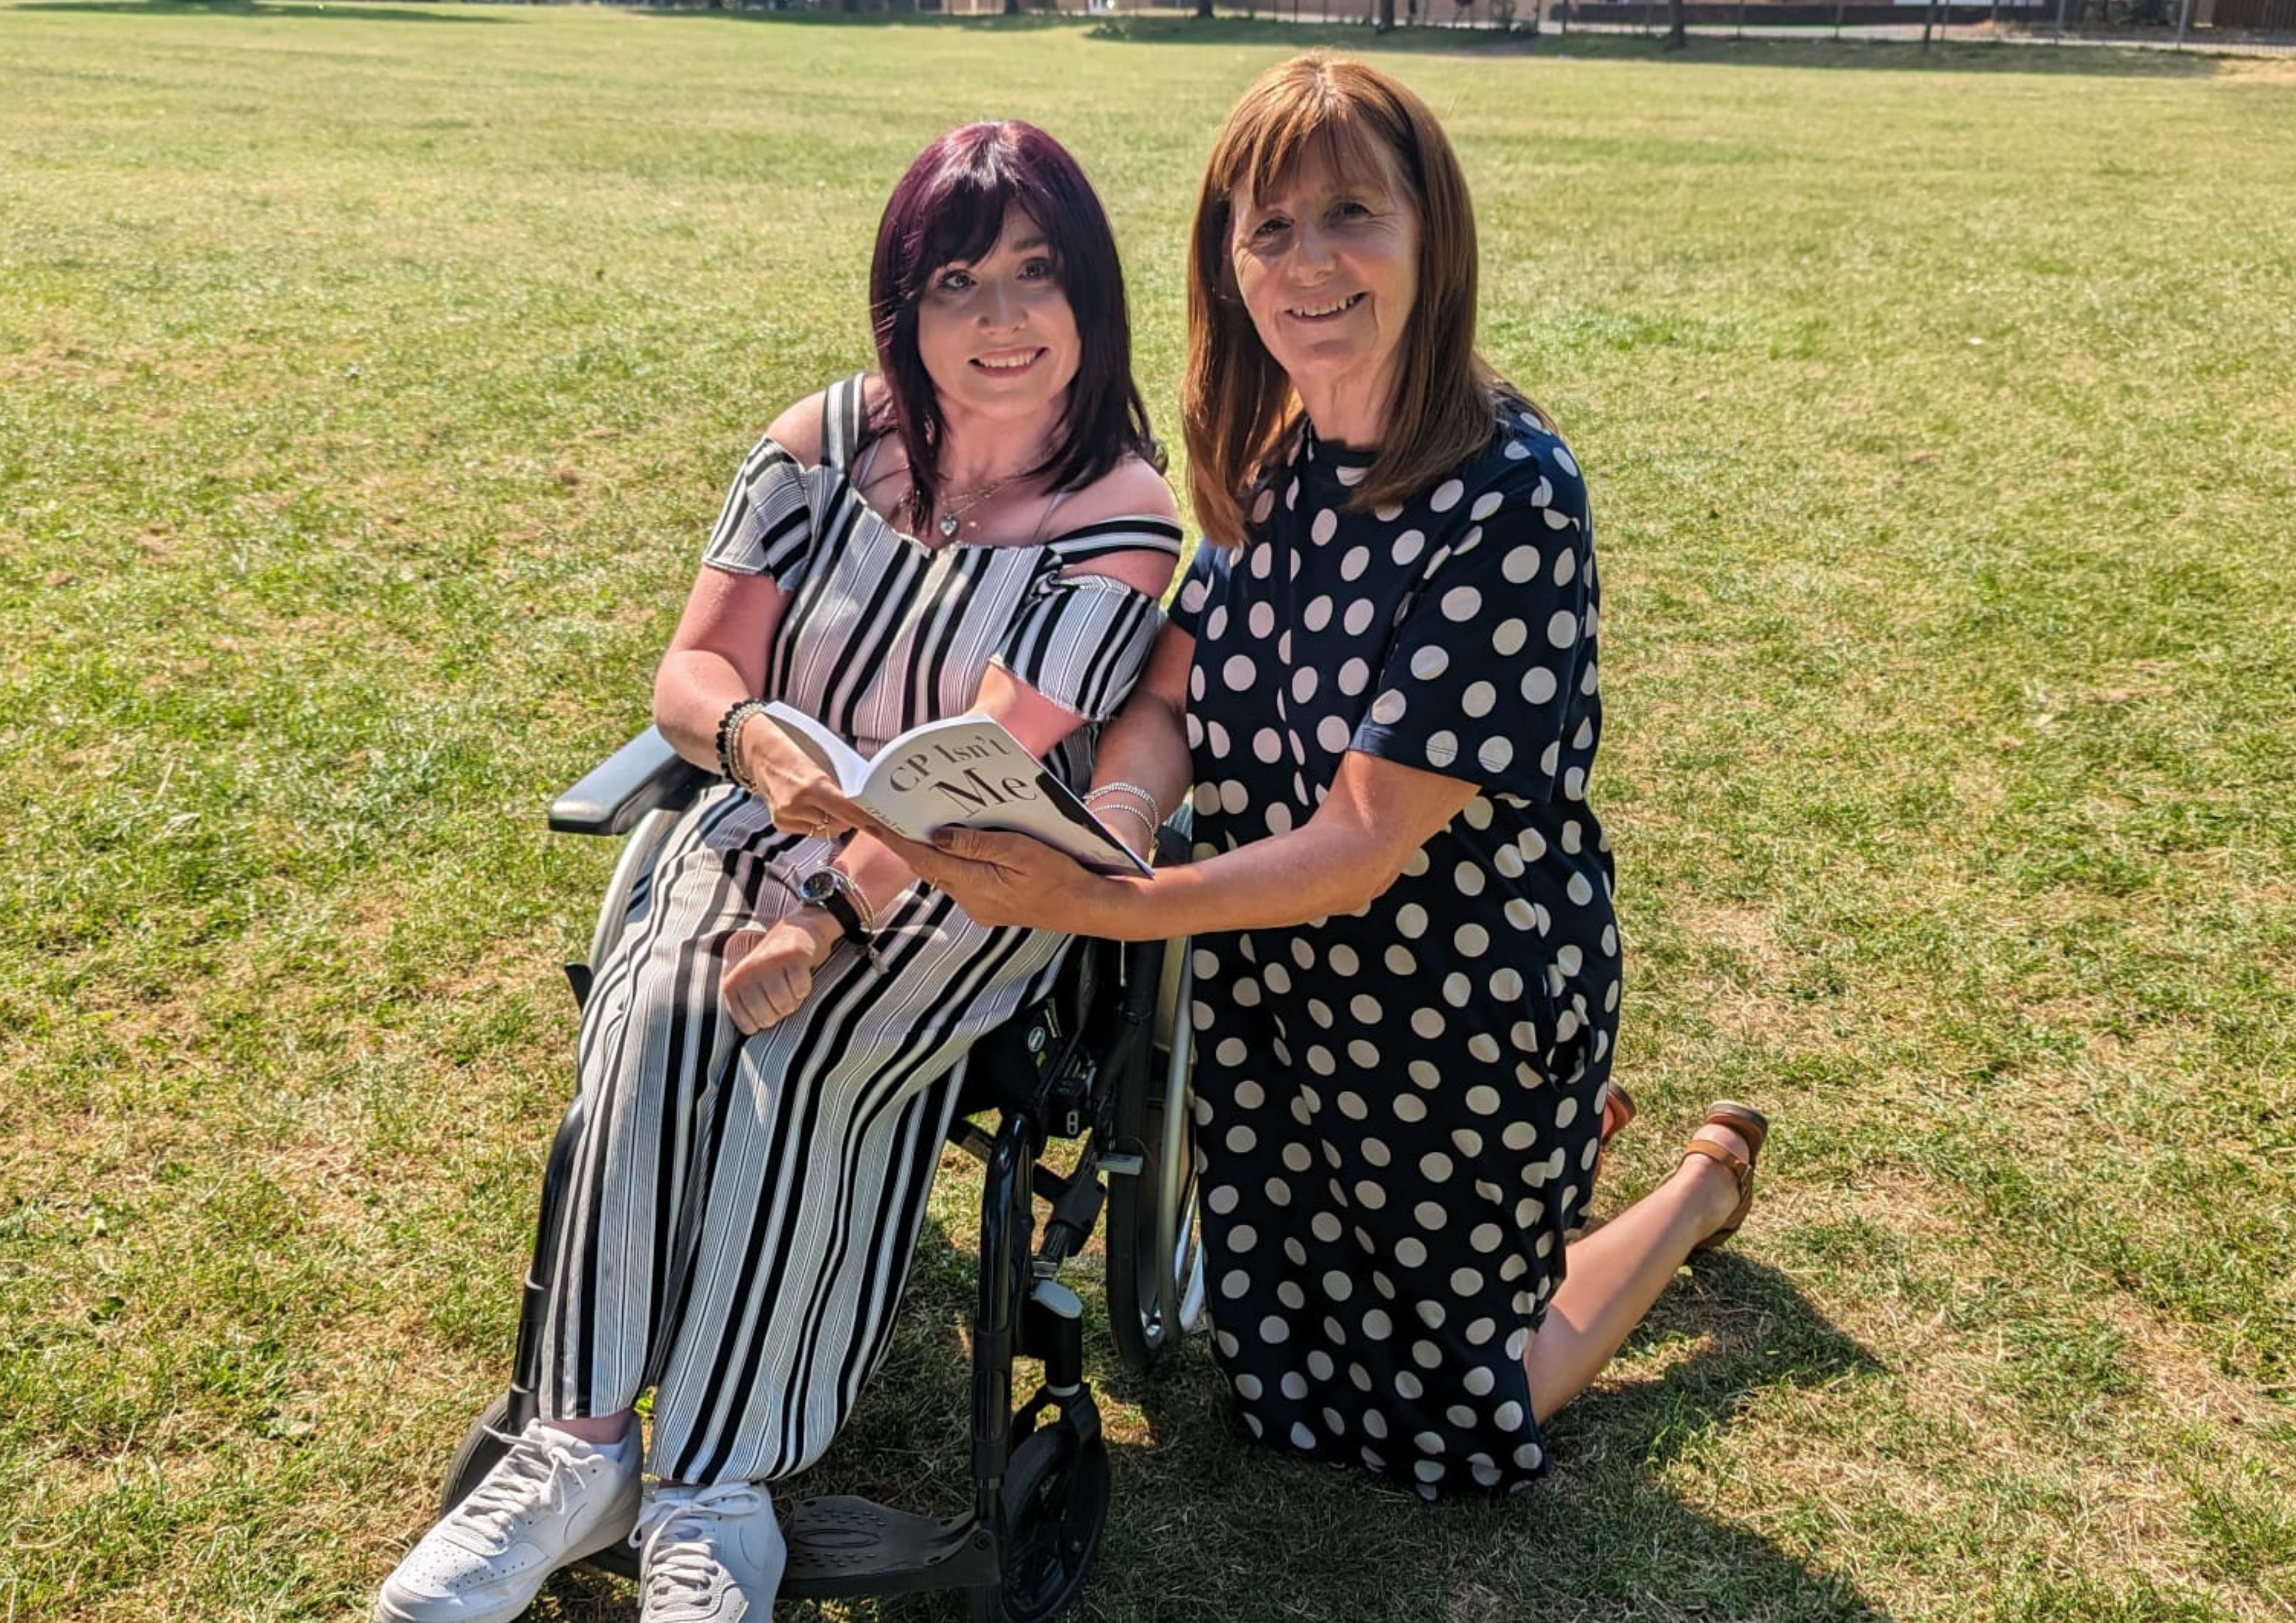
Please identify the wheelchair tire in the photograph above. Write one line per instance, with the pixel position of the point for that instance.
(475, 1455)
(1056, 1501)
(1155, 1266)
(633, 868)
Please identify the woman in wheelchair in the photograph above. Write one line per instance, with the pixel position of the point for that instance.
(976, 525)
(1380, 681)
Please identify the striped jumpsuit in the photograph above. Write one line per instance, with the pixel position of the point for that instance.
(744, 1210)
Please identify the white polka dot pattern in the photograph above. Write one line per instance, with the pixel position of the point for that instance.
(1403, 1097)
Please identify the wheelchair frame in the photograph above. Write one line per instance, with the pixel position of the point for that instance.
(1084, 1063)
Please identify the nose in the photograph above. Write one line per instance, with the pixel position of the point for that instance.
(1000, 305)
(1312, 253)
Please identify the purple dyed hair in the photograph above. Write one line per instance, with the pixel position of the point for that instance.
(950, 209)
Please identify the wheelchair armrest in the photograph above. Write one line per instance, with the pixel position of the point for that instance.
(645, 774)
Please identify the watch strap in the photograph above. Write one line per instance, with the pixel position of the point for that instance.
(833, 890)
(839, 906)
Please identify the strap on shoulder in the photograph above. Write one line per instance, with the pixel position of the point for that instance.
(841, 421)
(1116, 535)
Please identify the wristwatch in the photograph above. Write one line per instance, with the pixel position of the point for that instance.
(834, 891)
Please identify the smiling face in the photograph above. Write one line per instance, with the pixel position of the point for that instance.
(1327, 263)
(997, 335)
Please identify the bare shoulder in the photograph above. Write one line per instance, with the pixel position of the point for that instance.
(798, 430)
(1132, 489)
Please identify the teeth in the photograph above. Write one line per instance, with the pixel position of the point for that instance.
(1329, 309)
(1008, 363)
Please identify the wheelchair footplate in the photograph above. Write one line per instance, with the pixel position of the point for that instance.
(841, 1546)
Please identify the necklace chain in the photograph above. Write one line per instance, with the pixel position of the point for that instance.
(960, 502)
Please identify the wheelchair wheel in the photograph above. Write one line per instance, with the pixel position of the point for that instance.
(632, 882)
(1155, 1266)
(1055, 1500)
(475, 1455)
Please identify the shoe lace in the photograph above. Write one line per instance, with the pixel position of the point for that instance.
(674, 1535)
(531, 1471)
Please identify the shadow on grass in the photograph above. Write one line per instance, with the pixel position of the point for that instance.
(319, 11)
(1861, 54)
(1602, 1536)
(1356, 39)
(1205, 1525)
(1999, 56)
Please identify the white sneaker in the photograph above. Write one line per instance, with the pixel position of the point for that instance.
(551, 1500)
(709, 1554)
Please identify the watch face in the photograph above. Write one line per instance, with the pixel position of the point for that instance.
(830, 891)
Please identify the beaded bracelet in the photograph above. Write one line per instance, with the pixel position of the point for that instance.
(729, 740)
(1155, 812)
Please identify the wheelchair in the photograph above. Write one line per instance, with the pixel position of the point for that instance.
(1103, 1061)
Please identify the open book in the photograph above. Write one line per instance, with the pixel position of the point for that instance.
(966, 770)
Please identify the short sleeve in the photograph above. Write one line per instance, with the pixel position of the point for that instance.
(1082, 642)
(1206, 577)
(1489, 675)
(767, 524)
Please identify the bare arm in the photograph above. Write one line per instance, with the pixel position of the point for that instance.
(1377, 815)
(716, 659)
(1147, 744)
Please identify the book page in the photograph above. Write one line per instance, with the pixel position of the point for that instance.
(969, 772)
(824, 748)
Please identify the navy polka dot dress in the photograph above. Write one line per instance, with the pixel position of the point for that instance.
(1396, 1110)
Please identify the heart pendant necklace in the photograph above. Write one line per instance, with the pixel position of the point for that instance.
(952, 518)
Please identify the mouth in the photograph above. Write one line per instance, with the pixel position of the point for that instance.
(1006, 363)
(1326, 312)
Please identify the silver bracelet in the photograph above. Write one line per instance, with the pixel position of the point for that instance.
(1146, 823)
(1155, 812)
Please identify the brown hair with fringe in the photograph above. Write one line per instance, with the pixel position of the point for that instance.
(1237, 408)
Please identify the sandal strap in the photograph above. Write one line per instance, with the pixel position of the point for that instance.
(1743, 1119)
(1618, 1112)
(1741, 1168)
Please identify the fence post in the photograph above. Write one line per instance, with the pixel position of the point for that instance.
(2184, 20)
(2060, 21)
(1837, 20)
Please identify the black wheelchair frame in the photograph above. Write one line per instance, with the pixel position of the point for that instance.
(1104, 1060)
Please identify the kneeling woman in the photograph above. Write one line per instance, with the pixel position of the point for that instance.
(1380, 681)
(972, 527)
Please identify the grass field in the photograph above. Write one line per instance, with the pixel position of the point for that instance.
(369, 376)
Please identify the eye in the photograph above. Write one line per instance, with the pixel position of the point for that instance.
(1351, 208)
(1040, 269)
(1273, 226)
(953, 280)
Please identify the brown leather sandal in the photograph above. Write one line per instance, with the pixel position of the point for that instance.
(1751, 1125)
(1618, 1111)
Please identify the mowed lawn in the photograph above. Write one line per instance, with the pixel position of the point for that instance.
(369, 378)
